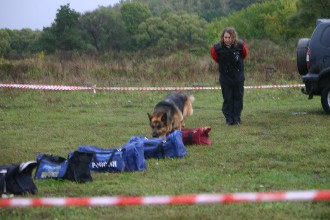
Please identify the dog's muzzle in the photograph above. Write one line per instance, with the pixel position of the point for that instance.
(156, 135)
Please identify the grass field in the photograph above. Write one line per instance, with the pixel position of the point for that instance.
(282, 144)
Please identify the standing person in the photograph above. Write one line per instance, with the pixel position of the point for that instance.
(229, 53)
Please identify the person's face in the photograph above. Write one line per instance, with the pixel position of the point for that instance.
(227, 39)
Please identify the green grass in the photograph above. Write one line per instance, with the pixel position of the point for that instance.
(282, 144)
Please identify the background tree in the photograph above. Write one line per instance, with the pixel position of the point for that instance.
(308, 11)
(236, 5)
(133, 14)
(97, 24)
(188, 30)
(16, 43)
(213, 9)
(151, 32)
(47, 40)
(172, 32)
(167, 25)
(276, 23)
(105, 29)
(23, 41)
(207, 9)
(65, 32)
(4, 42)
(250, 22)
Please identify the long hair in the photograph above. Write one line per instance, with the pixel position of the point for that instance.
(233, 34)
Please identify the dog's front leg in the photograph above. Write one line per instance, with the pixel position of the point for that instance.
(183, 124)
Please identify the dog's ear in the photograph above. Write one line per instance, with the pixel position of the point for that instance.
(164, 118)
(149, 116)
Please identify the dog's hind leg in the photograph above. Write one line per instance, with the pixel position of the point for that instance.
(177, 120)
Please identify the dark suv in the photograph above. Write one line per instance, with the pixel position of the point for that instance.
(313, 62)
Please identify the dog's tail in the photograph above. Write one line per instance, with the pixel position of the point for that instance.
(191, 98)
(189, 109)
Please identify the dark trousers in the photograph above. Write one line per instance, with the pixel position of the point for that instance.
(232, 106)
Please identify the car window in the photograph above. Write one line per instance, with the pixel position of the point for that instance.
(325, 38)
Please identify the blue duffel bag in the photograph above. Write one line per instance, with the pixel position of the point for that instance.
(50, 166)
(104, 160)
(170, 146)
(75, 167)
(129, 157)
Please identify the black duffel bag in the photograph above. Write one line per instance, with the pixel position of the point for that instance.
(74, 168)
(17, 178)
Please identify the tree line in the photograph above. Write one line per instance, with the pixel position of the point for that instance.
(164, 26)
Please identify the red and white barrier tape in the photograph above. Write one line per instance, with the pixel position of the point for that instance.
(321, 195)
(94, 88)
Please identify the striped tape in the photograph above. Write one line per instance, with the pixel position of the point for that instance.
(321, 195)
(94, 88)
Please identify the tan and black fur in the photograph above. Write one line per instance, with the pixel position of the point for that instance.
(170, 113)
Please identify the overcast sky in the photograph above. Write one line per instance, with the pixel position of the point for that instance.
(36, 14)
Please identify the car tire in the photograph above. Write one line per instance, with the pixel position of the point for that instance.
(302, 47)
(325, 99)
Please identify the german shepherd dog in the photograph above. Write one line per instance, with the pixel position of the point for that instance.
(170, 113)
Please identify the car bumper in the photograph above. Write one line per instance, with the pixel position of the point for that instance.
(311, 82)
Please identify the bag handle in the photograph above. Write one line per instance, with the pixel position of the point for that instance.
(112, 156)
(4, 172)
(161, 149)
(71, 167)
(190, 137)
(51, 158)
